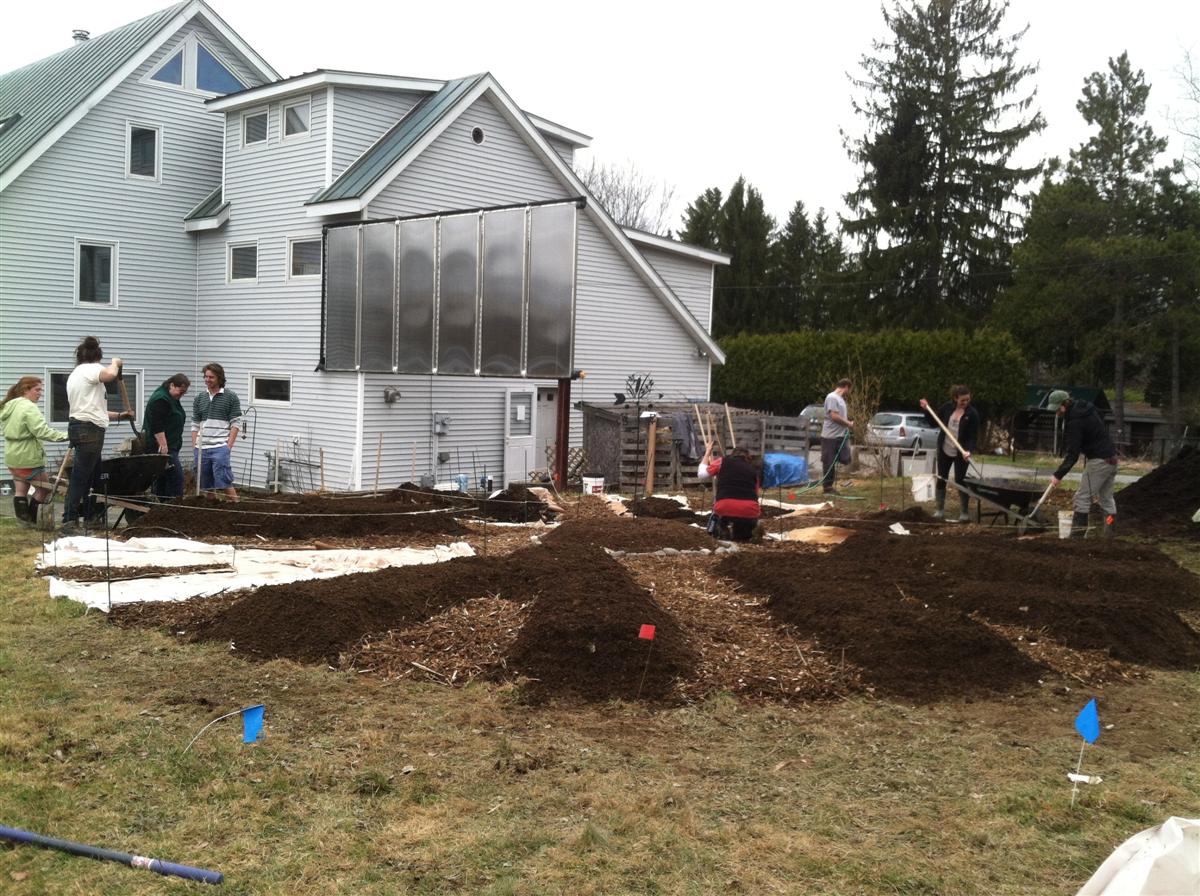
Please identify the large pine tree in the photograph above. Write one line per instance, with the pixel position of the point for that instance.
(935, 207)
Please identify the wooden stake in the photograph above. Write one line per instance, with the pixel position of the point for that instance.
(700, 423)
(322, 471)
(277, 448)
(729, 420)
(651, 450)
(378, 461)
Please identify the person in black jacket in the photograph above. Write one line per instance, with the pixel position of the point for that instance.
(962, 420)
(736, 504)
(1084, 433)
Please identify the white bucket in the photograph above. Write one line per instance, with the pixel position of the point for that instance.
(1066, 519)
(593, 485)
(923, 485)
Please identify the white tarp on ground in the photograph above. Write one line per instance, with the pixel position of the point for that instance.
(234, 569)
(1163, 861)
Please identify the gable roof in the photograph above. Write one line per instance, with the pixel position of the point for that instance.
(384, 161)
(51, 95)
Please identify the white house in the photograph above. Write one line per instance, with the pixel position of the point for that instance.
(163, 189)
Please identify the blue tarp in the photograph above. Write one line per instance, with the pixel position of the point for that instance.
(783, 469)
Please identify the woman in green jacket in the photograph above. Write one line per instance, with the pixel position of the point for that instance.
(165, 417)
(24, 431)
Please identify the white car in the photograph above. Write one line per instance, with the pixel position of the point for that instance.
(901, 429)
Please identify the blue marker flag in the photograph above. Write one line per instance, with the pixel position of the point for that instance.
(1087, 723)
(252, 722)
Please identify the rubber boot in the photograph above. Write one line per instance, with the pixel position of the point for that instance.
(939, 495)
(21, 509)
(1079, 525)
(34, 506)
(964, 515)
(1110, 525)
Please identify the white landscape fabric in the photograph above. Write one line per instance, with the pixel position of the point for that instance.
(234, 568)
(1163, 861)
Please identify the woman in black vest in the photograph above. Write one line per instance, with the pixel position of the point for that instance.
(738, 484)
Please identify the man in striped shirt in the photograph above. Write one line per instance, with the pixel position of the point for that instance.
(216, 420)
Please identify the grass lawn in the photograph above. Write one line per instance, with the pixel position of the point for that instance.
(366, 787)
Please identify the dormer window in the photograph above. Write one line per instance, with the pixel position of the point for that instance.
(295, 118)
(193, 66)
(254, 128)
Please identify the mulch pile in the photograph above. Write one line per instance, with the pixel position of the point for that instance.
(516, 504)
(633, 535)
(909, 611)
(1163, 501)
(663, 509)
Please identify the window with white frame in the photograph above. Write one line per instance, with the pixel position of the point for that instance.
(254, 128)
(96, 272)
(304, 258)
(212, 76)
(194, 66)
(296, 117)
(143, 150)
(171, 71)
(58, 408)
(243, 262)
(274, 389)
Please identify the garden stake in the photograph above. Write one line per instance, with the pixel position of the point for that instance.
(378, 460)
(107, 562)
(94, 852)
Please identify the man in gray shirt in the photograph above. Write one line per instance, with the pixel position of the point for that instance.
(835, 435)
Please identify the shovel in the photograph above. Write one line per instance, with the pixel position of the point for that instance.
(961, 450)
(1031, 521)
(137, 436)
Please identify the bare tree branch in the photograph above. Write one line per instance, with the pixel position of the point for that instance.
(630, 196)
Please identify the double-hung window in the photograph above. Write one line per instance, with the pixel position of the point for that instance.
(143, 151)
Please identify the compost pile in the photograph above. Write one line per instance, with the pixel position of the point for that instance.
(1163, 501)
(662, 509)
(578, 639)
(516, 504)
(405, 510)
(632, 535)
(912, 613)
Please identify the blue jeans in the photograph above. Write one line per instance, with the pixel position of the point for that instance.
(213, 468)
(169, 485)
(87, 441)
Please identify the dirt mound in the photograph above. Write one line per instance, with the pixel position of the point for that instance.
(516, 504)
(399, 512)
(1162, 502)
(902, 607)
(634, 535)
(662, 509)
(581, 638)
(913, 514)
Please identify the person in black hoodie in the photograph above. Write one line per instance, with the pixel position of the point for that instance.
(1084, 433)
(738, 482)
(962, 420)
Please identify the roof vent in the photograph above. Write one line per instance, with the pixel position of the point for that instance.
(80, 35)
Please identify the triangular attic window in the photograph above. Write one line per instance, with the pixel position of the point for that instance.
(171, 71)
(212, 76)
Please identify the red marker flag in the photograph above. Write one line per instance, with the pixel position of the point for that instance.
(647, 633)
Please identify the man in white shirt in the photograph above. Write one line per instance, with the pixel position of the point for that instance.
(835, 435)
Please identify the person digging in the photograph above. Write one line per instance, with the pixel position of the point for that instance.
(1084, 433)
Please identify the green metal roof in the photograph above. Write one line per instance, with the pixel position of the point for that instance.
(393, 145)
(209, 207)
(44, 92)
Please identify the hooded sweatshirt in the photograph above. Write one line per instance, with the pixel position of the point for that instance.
(24, 429)
(1084, 433)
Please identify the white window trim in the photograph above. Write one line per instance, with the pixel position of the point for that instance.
(253, 375)
(283, 109)
(194, 39)
(184, 47)
(303, 278)
(130, 124)
(135, 400)
(251, 113)
(229, 247)
(115, 245)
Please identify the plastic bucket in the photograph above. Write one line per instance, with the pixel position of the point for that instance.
(593, 485)
(1066, 519)
(923, 485)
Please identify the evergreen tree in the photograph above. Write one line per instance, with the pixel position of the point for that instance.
(934, 208)
(702, 220)
(807, 261)
(744, 299)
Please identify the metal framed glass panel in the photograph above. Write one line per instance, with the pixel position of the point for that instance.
(341, 297)
(551, 323)
(458, 255)
(377, 325)
(417, 282)
(503, 293)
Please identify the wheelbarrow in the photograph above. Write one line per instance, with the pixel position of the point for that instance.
(124, 482)
(1009, 499)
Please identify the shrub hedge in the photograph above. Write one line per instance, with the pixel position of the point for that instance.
(782, 372)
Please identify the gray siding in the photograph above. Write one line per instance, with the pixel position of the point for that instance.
(78, 189)
(361, 116)
(689, 278)
(621, 326)
(565, 151)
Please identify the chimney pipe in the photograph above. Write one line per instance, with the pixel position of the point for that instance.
(80, 35)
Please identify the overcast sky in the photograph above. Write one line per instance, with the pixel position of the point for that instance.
(693, 93)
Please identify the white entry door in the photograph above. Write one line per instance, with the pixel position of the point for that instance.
(520, 435)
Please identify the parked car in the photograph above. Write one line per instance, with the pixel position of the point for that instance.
(901, 429)
(814, 417)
